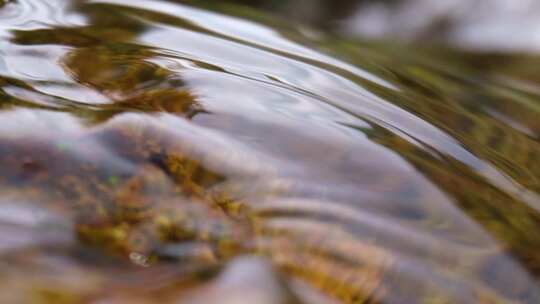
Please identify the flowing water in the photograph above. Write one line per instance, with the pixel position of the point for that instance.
(203, 152)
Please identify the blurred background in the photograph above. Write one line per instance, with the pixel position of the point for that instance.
(493, 25)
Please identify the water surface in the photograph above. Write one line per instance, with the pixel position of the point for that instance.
(200, 152)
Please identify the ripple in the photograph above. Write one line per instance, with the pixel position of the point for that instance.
(31, 14)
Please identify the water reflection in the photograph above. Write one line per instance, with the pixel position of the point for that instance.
(176, 142)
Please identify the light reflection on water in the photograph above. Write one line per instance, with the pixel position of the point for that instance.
(162, 145)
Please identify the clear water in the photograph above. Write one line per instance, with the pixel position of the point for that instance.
(205, 152)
